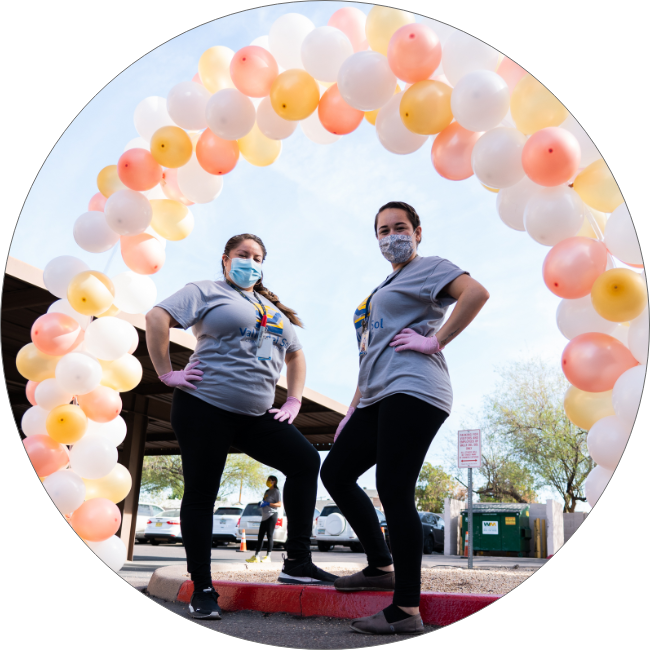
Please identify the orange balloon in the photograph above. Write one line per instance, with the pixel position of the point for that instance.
(108, 181)
(215, 155)
(572, 266)
(142, 253)
(414, 52)
(102, 404)
(253, 70)
(169, 184)
(294, 95)
(451, 152)
(551, 156)
(593, 362)
(336, 115)
(138, 170)
(30, 390)
(56, 334)
(171, 146)
(97, 203)
(46, 455)
(66, 424)
(96, 520)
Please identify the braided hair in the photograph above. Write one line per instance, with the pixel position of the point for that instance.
(259, 287)
(412, 215)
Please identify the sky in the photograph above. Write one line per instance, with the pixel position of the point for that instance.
(314, 209)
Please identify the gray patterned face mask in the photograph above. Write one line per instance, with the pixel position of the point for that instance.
(396, 248)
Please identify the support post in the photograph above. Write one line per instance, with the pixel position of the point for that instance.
(538, 541)
(544, 547)
(470, 522)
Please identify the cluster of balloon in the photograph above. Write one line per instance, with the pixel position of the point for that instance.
(487, 118)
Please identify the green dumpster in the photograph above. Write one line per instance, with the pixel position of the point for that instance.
(499, 528)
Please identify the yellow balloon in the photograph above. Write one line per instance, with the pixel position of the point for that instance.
(294, 95)
(597, 188)
(214, 68)
(491, 189)
(425, 107)
(111, 311)
(108, 182)
(171, 147)
(91, 293)
(123, 374)
(534, 107)
(66, 424)
(587, 229)
(114, 486)
(258, 149)
(619, 295)
(382, 23)
(33, 364)
(171, 219)
(585, 409)
(371, 116)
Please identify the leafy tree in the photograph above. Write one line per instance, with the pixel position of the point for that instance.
(433, 485)
(160, 473)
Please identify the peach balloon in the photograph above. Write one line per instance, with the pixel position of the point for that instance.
(336, 115)
(451, 152)
(56, 334)
(170, 188)
(253, 70)
(142, 253)
(30, 389)
(572, 266)
(46, 455)
(414, 52)
(510, 72)
(97, 203)
(138, 170)
(551, 156)
(96, 520)
(593, 362)
(216, 155)
(352, 22)
(102, 404)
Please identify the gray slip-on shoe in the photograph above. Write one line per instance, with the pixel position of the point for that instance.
(377, 624)
(359, 582)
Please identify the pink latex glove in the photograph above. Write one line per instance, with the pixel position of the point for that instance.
(288, 410)
(407, 339)
(343, 422)
(175, 378)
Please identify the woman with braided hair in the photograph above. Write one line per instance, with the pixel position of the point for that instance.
(222, 398)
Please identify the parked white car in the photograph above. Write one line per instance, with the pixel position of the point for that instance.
(166, 527)
(332, 529)
(224, 524)
(145, 512)
(250, 522)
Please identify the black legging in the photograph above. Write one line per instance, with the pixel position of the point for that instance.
(205, 434)
(267, 527)
(395, 434)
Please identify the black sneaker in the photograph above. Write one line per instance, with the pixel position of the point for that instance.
(304, 573)
(204, 604)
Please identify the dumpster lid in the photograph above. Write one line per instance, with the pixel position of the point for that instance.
(497, 508)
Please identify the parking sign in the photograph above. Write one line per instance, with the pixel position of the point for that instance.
(469, 448)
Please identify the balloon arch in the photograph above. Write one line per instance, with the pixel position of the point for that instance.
(488, 117)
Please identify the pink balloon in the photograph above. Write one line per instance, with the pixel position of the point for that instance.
(30, 389)
(46, 455)
(97, 203)
(336, 115)
(102, 404)
(169, 184)
(593, 362)
(572, 266)
(253, 71)
(96, 520)
(352, 22)
(142, 253)
(56, 334)
(510, 72)
(414, 52)
(451, 152)
(551, 156)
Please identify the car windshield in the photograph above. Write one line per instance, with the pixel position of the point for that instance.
(330, 510)
(252, 510)
(170, 513)
(228, 511)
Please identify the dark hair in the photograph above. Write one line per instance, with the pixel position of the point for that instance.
(412, 215)
(273, 478)
(259, 287)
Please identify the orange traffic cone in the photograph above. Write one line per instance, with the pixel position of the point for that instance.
(242, 545)
(466, 543)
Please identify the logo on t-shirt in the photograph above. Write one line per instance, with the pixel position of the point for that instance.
(359, 316)
(274, 325)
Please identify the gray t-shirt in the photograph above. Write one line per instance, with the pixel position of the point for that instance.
(225, 325)
(272, 495)
(413, 299)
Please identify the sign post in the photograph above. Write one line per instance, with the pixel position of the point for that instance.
(469, 455)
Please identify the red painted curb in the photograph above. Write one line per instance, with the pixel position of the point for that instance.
(444, 609)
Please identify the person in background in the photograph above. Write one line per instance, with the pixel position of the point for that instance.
(269, 506)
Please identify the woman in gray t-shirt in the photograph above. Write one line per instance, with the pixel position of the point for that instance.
(269, 505)
(403, 396)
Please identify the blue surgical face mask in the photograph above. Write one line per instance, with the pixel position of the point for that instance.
(245, 272)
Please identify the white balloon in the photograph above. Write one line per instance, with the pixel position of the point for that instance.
(621, 332)
(78, 373)
(443, 31)
(596, 483)
(575, 317)
(134, 293)
(109, 338)
(316, 132)
(480, 100)
(271, 124)
(128, 212)
(286, 37)
(638, 337)
(114, 431)
(262, 41)
(66, 489)
(323, 52)
(186, 104)
(33, 421)
(496, 157)
(111, 551)
(626, 395)
(150, 115)
(93, 234)
(59, 271)
(155, 193)
(464, 53)
(49, 394)
(511, 202)
(161, 240)
(230, 114)
(620, 236)
(64, 307)
(588, 151)
(93, 456)
(391, 131)
(553, 214)
(137, 143)
(366, 81)
(196, 184)
(606, 441)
